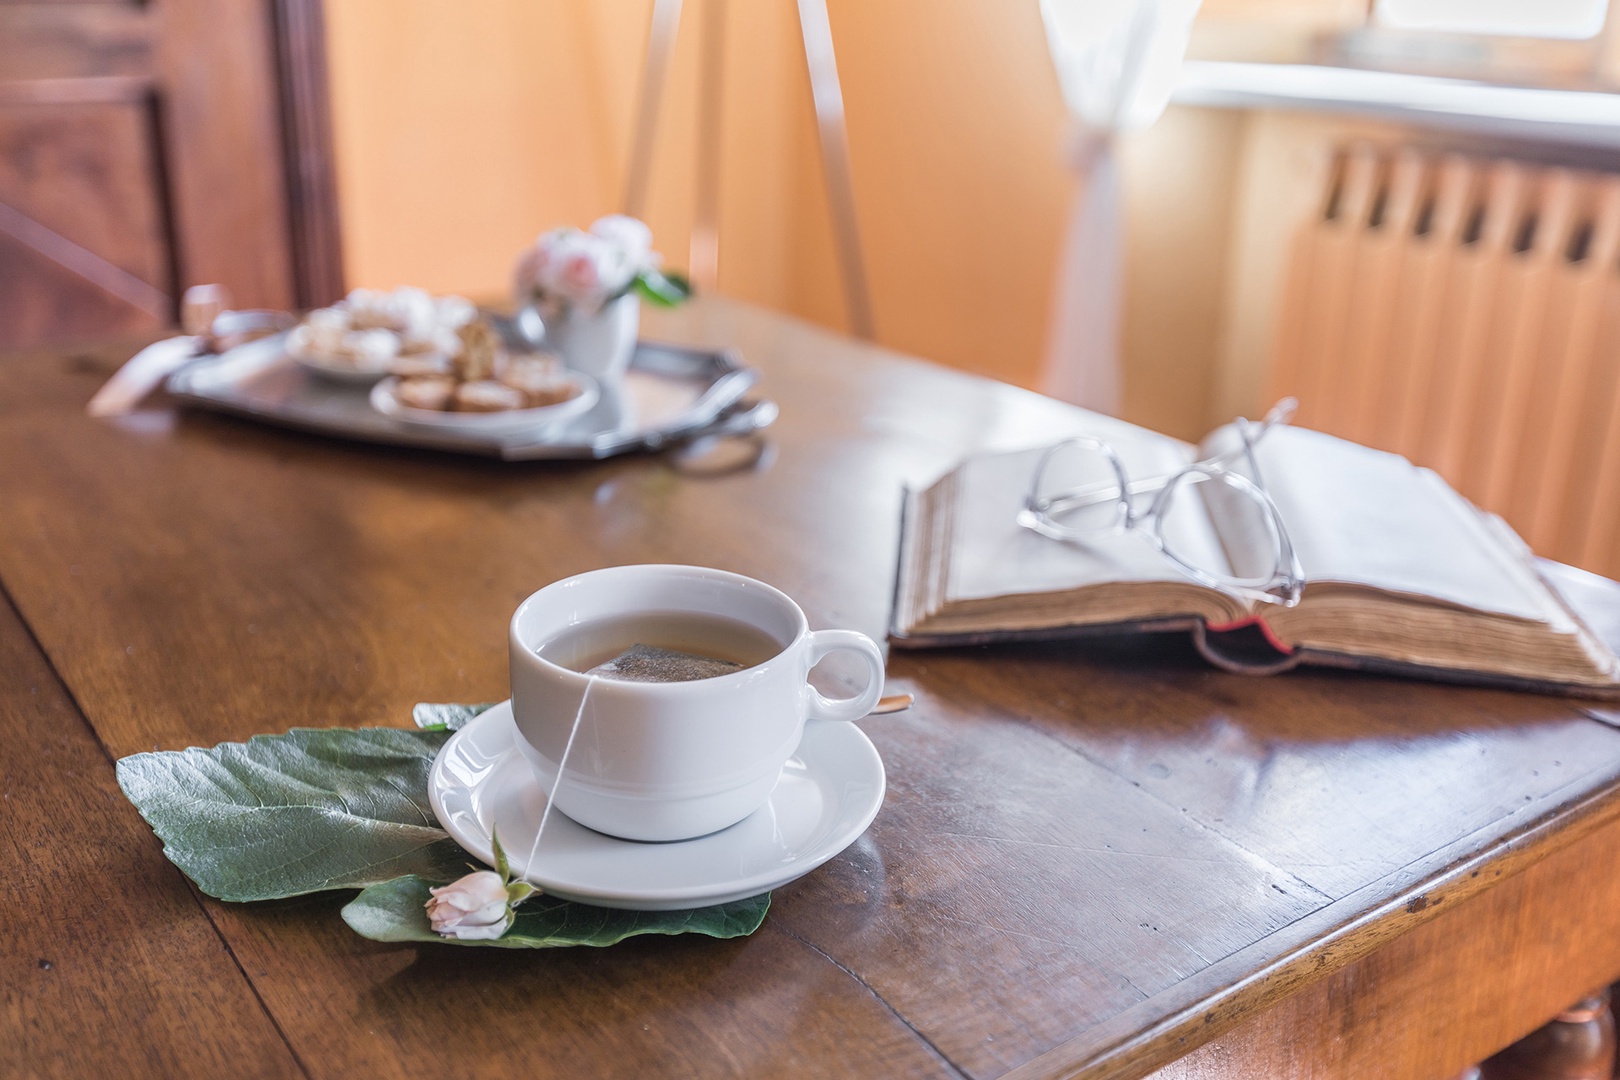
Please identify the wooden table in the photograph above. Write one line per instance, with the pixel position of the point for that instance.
(1094, 860)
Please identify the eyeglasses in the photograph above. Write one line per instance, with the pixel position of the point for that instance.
(1103, 504)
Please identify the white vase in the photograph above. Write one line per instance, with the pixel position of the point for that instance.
(597, 344)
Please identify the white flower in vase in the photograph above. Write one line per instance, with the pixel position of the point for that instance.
(587, 287)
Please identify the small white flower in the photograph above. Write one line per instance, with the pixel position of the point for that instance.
(475, 907)
(630, 235)
(585, 269)
(478, 907)
(579, 276)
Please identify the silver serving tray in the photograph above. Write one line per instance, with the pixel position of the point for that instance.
(670, 394)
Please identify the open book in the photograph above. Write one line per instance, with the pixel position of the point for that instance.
(1402, 573)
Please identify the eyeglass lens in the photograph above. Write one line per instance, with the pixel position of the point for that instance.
(1077, 491)
(1250, 548)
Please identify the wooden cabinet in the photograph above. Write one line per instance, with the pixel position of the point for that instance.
(147, 147)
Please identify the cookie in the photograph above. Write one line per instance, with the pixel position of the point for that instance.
(479, 354)
(488, 396)
(539, 378)
(434, 392)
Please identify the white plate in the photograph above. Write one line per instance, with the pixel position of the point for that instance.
(349, 376)
(385, 400)
(829, 793)
(337, 371)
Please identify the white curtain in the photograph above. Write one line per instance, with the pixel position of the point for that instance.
(1117, 61)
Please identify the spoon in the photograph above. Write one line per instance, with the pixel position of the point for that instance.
(730, 444)
(530, 327)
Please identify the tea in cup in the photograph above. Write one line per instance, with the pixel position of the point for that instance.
(691, 691)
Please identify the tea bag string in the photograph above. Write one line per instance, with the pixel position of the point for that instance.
(556, 785)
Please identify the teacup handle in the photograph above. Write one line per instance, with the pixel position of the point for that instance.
(823, 642)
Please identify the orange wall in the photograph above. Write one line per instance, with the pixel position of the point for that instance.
(958, 136)
(462, 130)
(465, 129)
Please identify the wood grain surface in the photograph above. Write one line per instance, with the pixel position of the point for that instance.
(107, 964)
(1421, 1006)
(1092, 859)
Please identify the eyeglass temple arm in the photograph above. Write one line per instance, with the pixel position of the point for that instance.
(1107, 491)
(1280, 413)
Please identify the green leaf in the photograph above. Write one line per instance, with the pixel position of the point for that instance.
(666, 290)
(394, 911)
(430, 717)
(281, 815)
(502, 867)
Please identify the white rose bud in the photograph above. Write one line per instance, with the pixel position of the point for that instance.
(472, 908)
(627, 233)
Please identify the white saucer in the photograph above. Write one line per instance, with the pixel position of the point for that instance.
(829, 793)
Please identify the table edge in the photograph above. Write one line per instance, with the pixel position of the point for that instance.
(1131, 1044)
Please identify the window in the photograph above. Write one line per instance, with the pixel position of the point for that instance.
(1569, 19)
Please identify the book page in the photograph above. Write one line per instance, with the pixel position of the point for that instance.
(992, 555)
(1365, 517)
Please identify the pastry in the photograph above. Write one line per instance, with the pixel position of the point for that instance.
(539, 378)
(487, 395)
(435, 392)
(375, 332)
(409, 366)
(480, 350)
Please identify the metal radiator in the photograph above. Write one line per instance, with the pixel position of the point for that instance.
(1466, 313)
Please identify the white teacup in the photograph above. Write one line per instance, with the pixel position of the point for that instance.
(672, 760)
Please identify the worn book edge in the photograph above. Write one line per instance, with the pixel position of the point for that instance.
(1246, 648)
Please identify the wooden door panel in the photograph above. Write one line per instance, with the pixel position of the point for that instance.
(41, 300)
(146, 147)
(75, 41)
(88, 172)
(88, 252)
(72, 3)
(222, 127)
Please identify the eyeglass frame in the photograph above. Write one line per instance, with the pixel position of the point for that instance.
(1287, 581)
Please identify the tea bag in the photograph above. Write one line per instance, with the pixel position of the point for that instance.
(647, 663)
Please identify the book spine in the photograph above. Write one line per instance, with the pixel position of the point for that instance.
(1245, 647)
